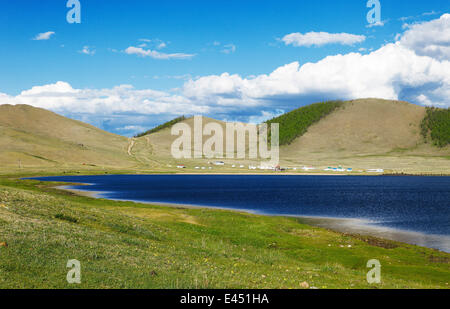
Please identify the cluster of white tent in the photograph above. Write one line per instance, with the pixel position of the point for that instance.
(278, 168)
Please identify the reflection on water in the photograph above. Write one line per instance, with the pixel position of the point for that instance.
(364, 227)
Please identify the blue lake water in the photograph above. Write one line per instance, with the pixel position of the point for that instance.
(412, 204)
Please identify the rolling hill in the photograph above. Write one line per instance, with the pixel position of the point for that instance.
(34, 137)
(362, 134)
(370, 133)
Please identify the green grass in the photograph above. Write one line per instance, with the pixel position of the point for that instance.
(437, 124)
(129, 245)
(162, 126)
(296, 123)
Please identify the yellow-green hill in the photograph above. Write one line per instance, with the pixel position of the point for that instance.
(361, 134)
(370, 133)
(34, 137)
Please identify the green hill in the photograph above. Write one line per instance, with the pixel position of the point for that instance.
(295, 123)
(370, 133)
(437, 124)
(168, 124)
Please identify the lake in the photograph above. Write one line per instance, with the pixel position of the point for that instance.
(413, 209)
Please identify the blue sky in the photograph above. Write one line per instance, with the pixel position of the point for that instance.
(242, 38)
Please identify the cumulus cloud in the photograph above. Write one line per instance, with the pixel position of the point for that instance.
(156, 54)
(429, 38)
(43, 36)
(391, 72)
(321, 38)
(119, 106)
(414, 68)
(62, 97)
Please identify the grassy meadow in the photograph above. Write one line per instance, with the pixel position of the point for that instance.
(131, 245)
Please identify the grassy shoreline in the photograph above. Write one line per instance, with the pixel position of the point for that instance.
(132, 245)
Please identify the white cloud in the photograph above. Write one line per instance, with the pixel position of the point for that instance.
(405, 18)
(62, 97)
(87, 50)
(389, 72)
(430, 13)
(43, 36)
(406, 69)
(321, 38)
(429, 38)
(229, 49)
(156, 54)
(223, 48)
(161, 45)
(155, 43)
(377, 24)
(133, 128)
(264, 116)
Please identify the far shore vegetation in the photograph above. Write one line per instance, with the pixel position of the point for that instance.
(295, 123)
(167, 124)
(437, 124)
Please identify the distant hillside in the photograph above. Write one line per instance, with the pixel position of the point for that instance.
(370, 133)
(160, 141)
(32, 136)
(168, 124)
(366, 133)
(362, 134)
(369, 126)
(295, 123)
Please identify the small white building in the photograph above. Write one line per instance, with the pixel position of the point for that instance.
(375, 170)
(308, 168)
